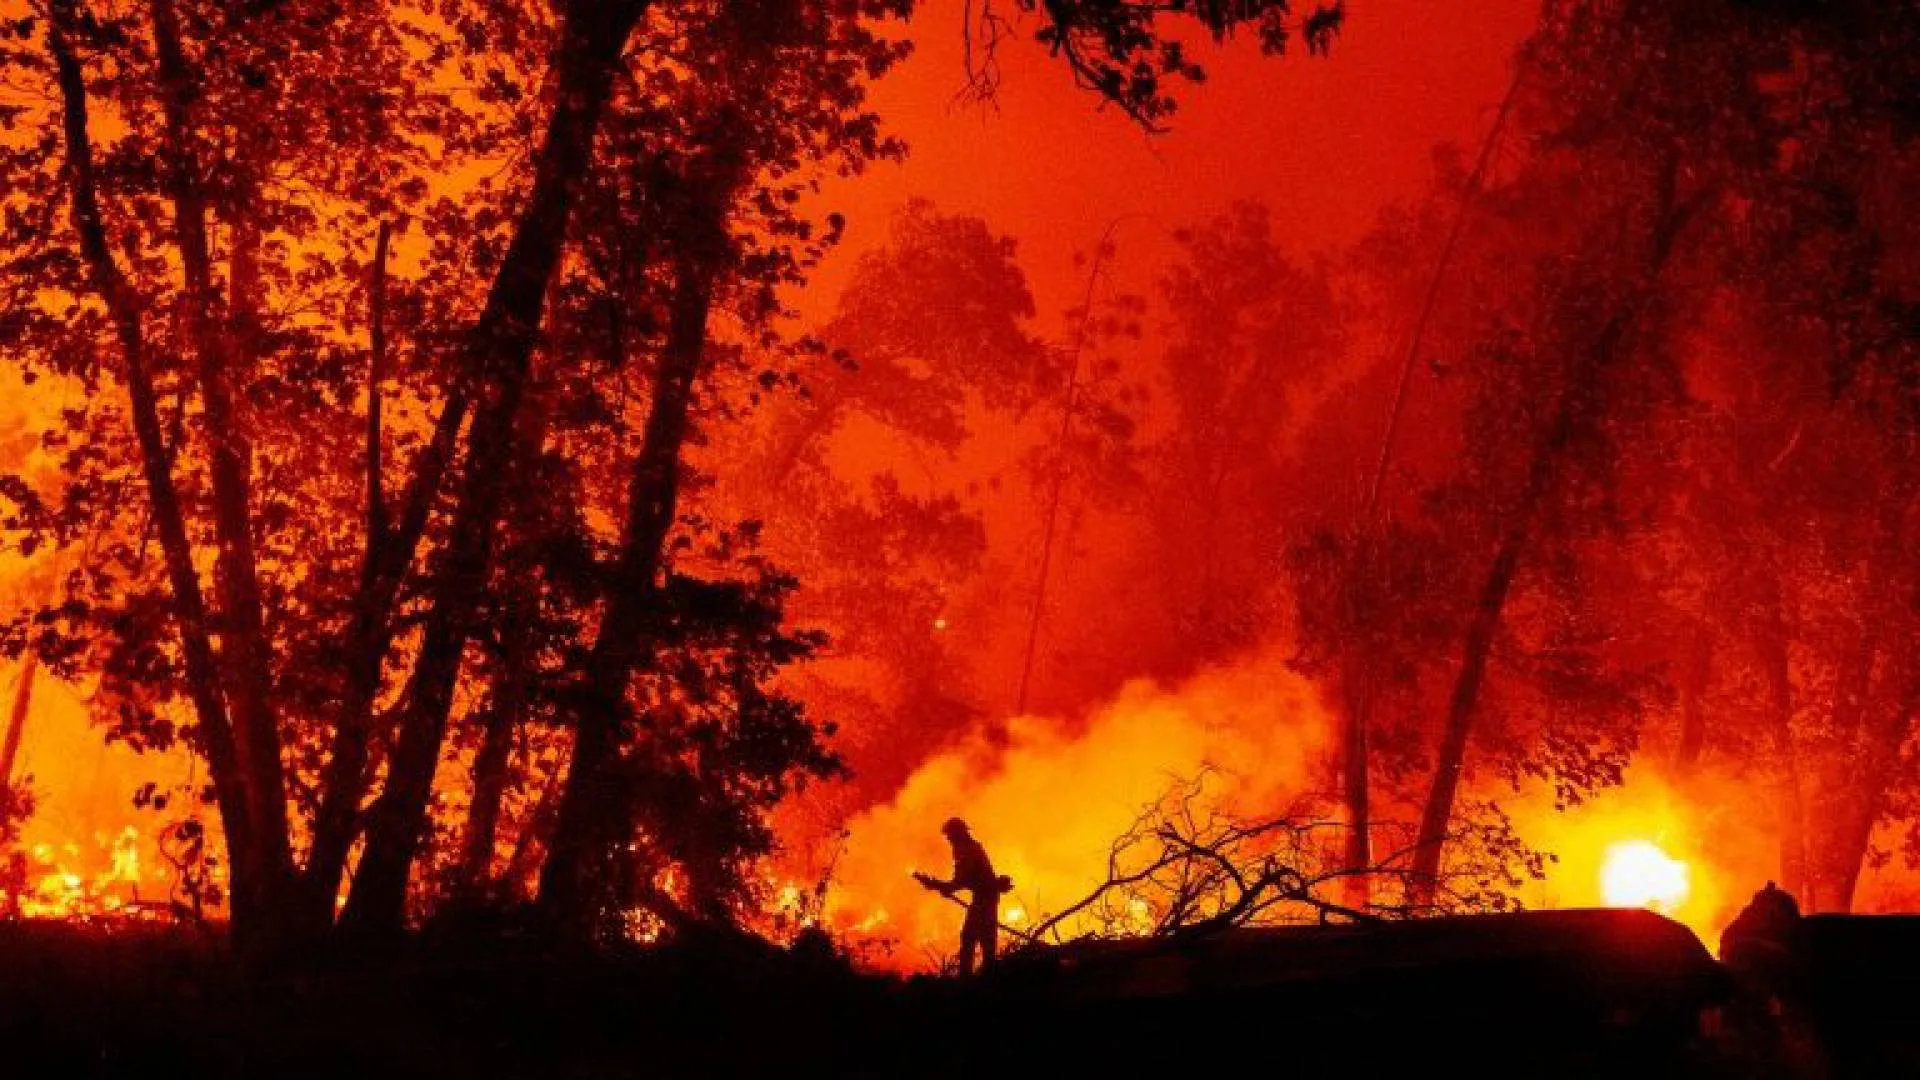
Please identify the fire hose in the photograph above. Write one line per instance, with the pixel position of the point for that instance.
(963, 905)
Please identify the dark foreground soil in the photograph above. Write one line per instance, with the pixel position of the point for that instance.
(1624, 1001)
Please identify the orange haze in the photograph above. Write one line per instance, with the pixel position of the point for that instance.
(1049, 801)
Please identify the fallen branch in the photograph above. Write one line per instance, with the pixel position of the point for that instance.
(1187, 867)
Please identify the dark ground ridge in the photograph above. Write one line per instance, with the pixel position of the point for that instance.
(1621, 994)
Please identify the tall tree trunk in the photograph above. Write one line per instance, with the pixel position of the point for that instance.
(1853, 821)
(593, 39)
(1359, 852)
(1438, 813)
(1847, 789)
(1775, 664)
(536, 835)
(1357, 689)
(369, 636)
(1354, 758)
(244, 648)
(506, 712)
(474, 871)
(23, 693)
(1437, 816)
(376, 512)
(1579, 404)
(1853, 837)
(214, 736)
(17, 718)
(1884, 729)
(1575, 400)
(1696, 672)
(1056, 494)
(1884, 721)
(595, 806)
(388, 552)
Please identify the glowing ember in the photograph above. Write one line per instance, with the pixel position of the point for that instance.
(1637, 873)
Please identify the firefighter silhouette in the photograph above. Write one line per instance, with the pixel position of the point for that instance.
(973, 874)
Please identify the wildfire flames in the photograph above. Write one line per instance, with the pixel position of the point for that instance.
(1014, 794)
(86, 853)
(1523, 527)
(1260, 732)
(57, 890)
(1126, 755)
(1638, 874)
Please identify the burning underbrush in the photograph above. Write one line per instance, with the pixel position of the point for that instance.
(1049, 796)
(1211, 801)
(91, 837)
(66, 882)
(106, 877)
(1172, 806)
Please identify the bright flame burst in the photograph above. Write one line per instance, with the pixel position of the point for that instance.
(1636, 873)
(56, 890)
(1048, 797)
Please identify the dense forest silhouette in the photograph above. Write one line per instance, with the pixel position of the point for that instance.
(424, 424)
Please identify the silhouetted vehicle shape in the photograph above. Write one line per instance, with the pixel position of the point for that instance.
(1857, 987)
(1561, 993)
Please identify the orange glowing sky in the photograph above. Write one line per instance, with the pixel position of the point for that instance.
(1325, 142)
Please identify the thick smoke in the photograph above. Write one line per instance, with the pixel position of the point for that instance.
(1050, 796)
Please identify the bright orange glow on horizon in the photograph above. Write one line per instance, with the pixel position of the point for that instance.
(1050, 799)
(1170, 636)
(1637, 873)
